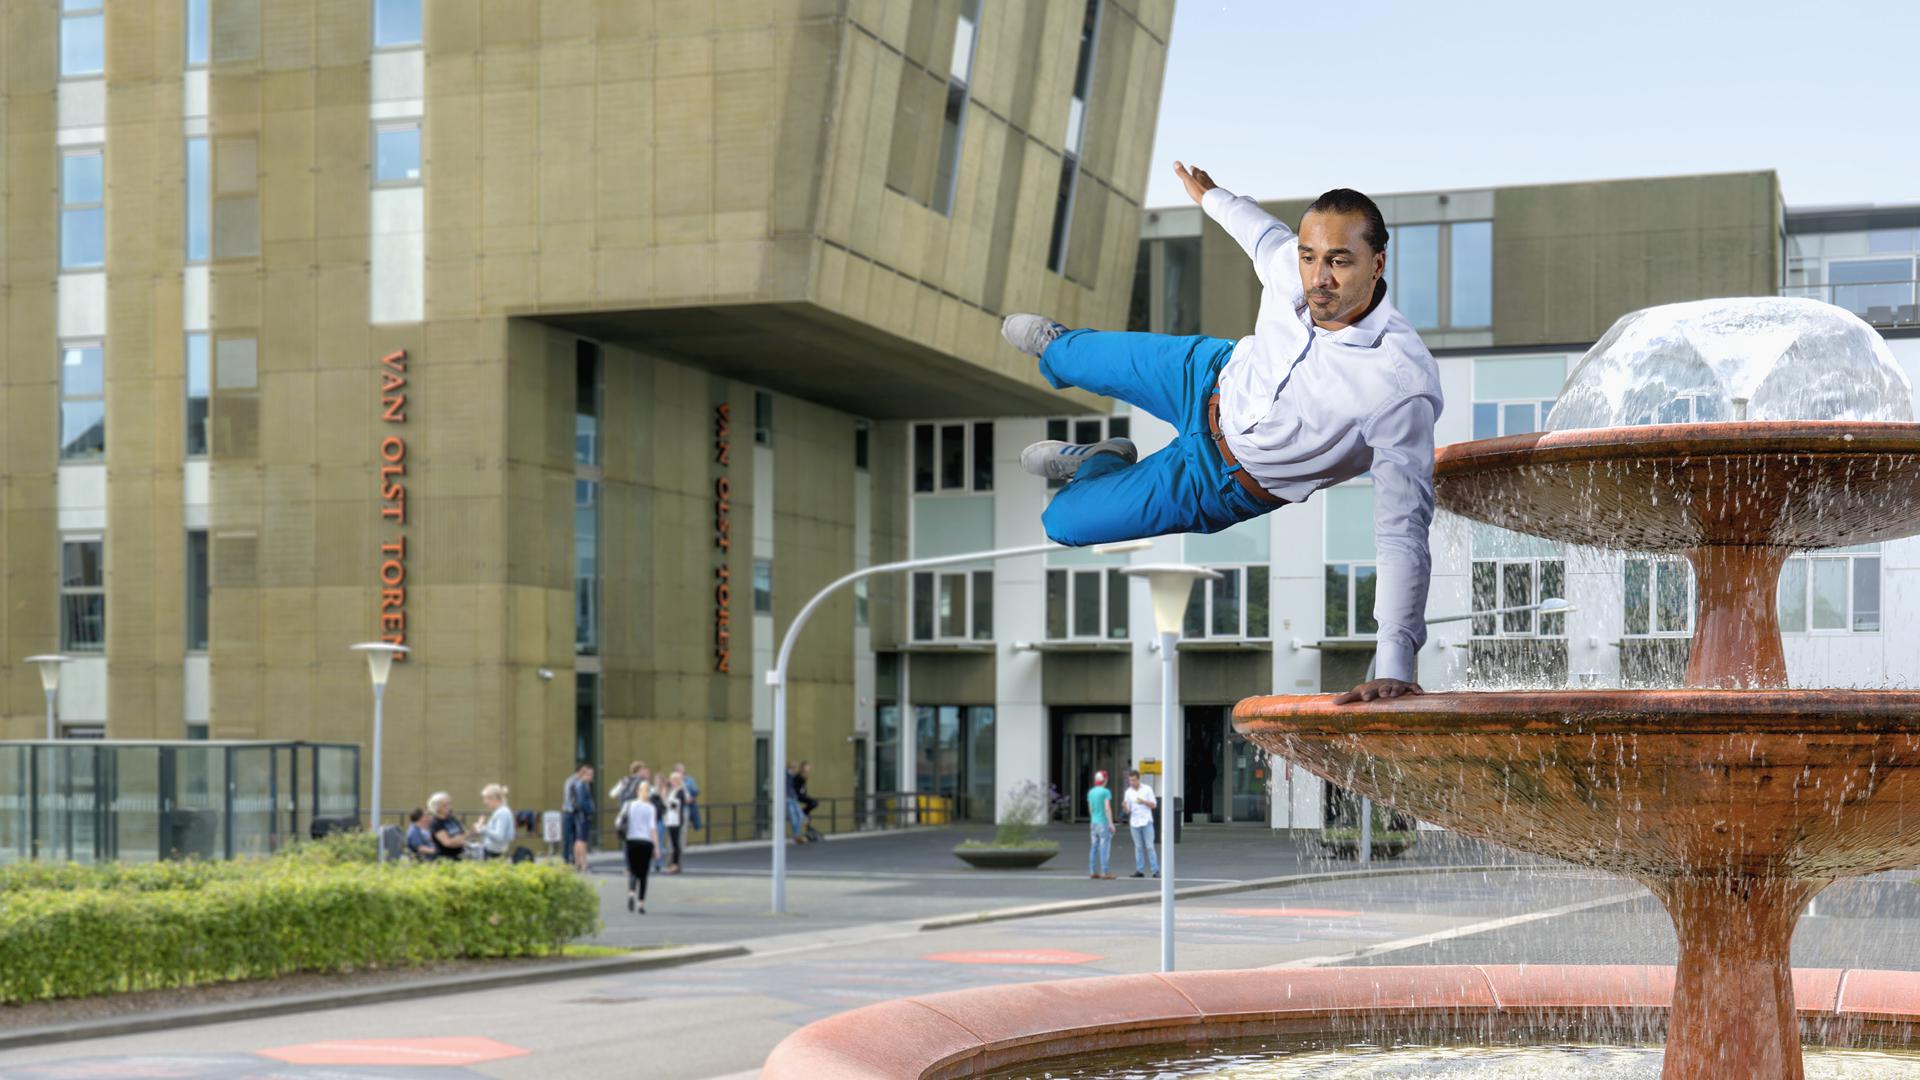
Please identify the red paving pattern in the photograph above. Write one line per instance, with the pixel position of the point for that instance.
(459, 1050)
(1039, 957)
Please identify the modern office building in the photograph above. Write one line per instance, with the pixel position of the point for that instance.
(567, 343)
(1509, 287)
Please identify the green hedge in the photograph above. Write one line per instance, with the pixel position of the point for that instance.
(68, 931)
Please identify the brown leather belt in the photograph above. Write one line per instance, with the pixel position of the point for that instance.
(1220, 443)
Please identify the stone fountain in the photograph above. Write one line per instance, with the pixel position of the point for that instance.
(1736, 799)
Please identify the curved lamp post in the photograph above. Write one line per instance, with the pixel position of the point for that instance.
(777, 678)
(1171, 584)
(49, 665)
(1552, 605)
(379, 666)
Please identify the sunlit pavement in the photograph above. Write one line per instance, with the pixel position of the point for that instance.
(720, 1019)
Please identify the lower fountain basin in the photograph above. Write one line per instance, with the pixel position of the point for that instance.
(1807, 785)
(977, 1032)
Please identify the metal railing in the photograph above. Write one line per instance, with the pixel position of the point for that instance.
(1880, 303)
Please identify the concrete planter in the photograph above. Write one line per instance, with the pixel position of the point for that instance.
(1006, 858)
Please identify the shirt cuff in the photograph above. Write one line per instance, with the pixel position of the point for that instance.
(1393, 660)
(1215, 200)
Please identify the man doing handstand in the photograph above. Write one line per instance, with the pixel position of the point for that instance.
(1333, 383)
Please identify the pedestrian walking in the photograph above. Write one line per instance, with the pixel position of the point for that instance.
(672, 821)
(623, 790)
(640, 827)
(496, 836)
(1100, 832)
(1139, 803)
(576, 809)
(796, 820)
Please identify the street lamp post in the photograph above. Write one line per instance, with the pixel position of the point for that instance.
(1553, 605)
(49, 665)
(1170, 584)
(777, 678)
(379, 666)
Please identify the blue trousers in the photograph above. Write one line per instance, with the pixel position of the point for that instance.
(1100, 837)
(1183, 487)
(1143, 843)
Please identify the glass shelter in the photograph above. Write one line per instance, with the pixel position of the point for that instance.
(96, 800)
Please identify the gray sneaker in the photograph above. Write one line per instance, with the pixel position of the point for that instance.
(1031, 334)
(1056, 460)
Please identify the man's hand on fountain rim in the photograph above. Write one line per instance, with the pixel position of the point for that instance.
(1378, 688)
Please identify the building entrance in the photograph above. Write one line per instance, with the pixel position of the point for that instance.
(1083, 743)
(1225, 777)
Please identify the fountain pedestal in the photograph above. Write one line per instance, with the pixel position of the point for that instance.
(1734, 803)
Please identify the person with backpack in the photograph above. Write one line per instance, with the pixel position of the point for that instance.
(639, 827)
(693, 794)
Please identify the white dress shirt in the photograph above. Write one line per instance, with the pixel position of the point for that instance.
(1139, 803)
(1304, 408)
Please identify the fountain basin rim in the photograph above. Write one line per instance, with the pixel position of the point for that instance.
(967, 1032)
(1593, 712)
(1742, 438)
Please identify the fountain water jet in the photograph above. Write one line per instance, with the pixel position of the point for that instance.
(1736, 801)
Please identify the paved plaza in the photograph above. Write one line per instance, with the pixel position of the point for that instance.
(854, 939)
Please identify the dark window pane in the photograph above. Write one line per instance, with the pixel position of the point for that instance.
(1180, 286)
(1062, 214)
(946, 168)
(1673, 605)
(953, 457)
(1086, 431)
(1140, 304)
(1116, 605)
(1194, 623)
(1257, 600)
(1057, 430)
(1486, 597)
(762, 587)
(83, 623)
(1056, 604)
(1553, 586)
(1086, 604)
(763, 418)
(1338, 622)
(923, 457)
(197, 591)
(1516, 591)
(923, 607)
(1638, 615)
(82, 564)
(983, 456)
(953, 605)
(983, 605)
(862, 439)
(1119, 427)
(1226, 604)
(586, 403)
(1364, 580)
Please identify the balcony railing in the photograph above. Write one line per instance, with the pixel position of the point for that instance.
(1880, 303)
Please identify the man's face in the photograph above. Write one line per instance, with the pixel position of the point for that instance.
(1337, 267)
(586, 773)
(1133, 781)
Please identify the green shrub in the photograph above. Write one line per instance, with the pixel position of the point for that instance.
(73, 931)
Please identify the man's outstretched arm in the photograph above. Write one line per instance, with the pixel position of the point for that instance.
(1265, 238)
(1402, 441)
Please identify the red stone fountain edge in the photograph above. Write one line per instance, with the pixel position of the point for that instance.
(966, 1033)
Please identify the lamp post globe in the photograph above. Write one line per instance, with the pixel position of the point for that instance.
(49, 665)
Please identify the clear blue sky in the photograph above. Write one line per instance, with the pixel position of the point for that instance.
(1279, 98)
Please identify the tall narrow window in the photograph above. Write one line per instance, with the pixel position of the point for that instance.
(586, 403)
(763, 586)
(862, 441)
(199, 393)
(763, 418)
(586, 567)
(83, 209)
(199, 199)
(199, 31)
(83, 42)
(198, 590)
(83, 594)
(83, 403)
(1076, 130)
(396, 23)
(396, 153)
(953, 126)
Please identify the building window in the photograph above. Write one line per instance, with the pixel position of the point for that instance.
(83, 209)
(1440, 276)
(396, 154)
(955, 605)
(1235, 606)
(1659, 597)
(1076, 132)
(586, 567)
(586, 718)
(1087, 429)
(1878, 290)
(1086, 604)
(396, 23)
(82, 38)
(762, 418)
(862, 444)
(83, 402)
(199, 199)
(1834, 591)
(1350, 589)
(199, 31)
(83, 594)
(587, 395)
(861, 603)
(953, 126)
(763, 586)
(199, 393)
(1501, 584)
(198, 590)
(1513, 395)
(1352, 574)
(953, 457)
